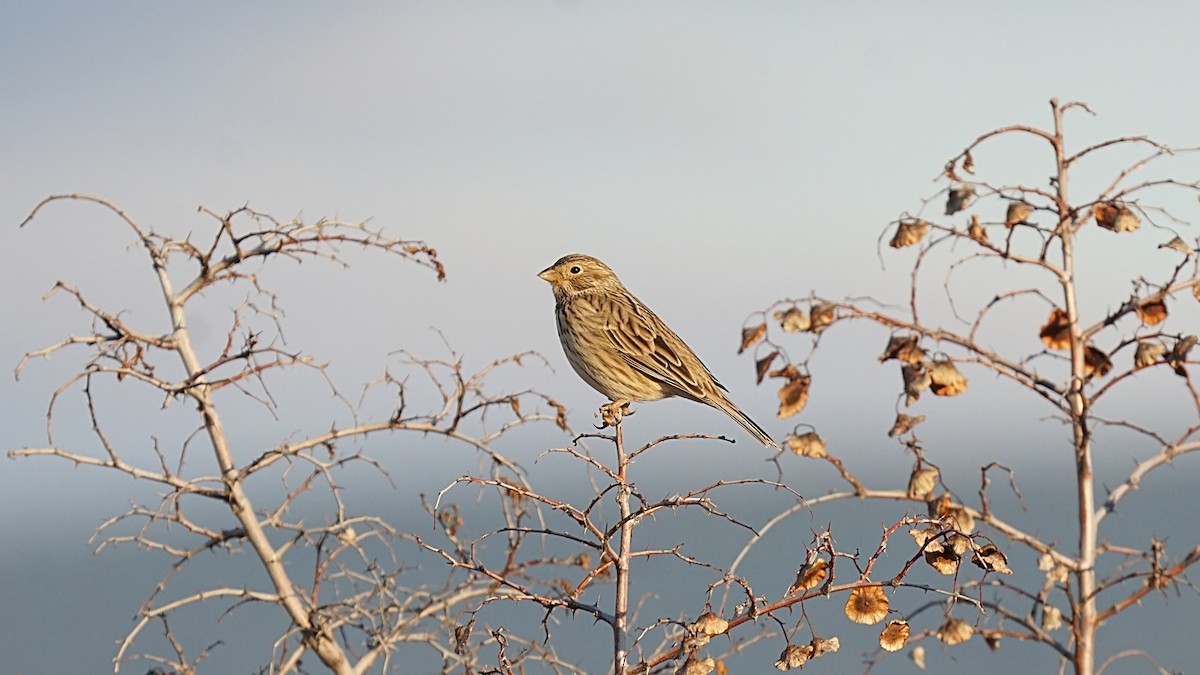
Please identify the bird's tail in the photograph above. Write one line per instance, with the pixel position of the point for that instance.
(727, 406)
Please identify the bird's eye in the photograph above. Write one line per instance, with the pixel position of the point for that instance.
(576, 269)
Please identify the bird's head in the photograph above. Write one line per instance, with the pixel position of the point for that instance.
(578, 273)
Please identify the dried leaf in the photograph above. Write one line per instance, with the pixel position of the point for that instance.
(904, 424)
(1018, 213)
(922, 482)
(1178, 244)
(821, 317)
(894, 635)
(954, 515)
(751, 335)
(1096, 362)
(991, 559)
(945, 380)
(763, 365)
(959, 198)
(904, 348)
(955, 631)
(926, 538)
(1152, 311)
(1056, 334)
(867, 605)
(793, 396)
(808, 444)
(968, 163)
(992, 638)
(909, 232)
(793, 320)
(1148, 353)
(462, 637)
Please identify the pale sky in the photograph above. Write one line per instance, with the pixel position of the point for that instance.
(717, 155)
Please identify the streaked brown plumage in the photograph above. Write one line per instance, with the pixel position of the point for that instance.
(622, 349)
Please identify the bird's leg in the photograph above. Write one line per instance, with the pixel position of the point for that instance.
(611, 413)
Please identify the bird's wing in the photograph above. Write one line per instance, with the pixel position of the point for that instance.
(651, 348)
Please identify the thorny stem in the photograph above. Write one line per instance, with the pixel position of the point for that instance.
(620, 624)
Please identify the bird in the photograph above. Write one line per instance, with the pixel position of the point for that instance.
(623, 350)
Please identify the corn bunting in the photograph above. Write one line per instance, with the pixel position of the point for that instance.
(622, 349)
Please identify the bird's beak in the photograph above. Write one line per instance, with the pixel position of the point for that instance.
(550, 274)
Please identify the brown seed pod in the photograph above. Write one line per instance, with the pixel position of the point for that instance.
(904, 424)
(1179, 353)
(751, 335)
(894, 635)
(945, 380)
(810, 576)
(1116, 217)
(710, 624)
(959, 198)
(822, 646)
(808, 444)
(821, 317)
(1152, 311)
(909, 232)
(992, 638)
(903, 348)
(945, 562)
(1095, 362)
(793, 320)
(991, 559)
(793, 656)
(955, 631)
(793, 396)
(696, 666)
(1178, 244)
(763, 366)
(867, 605)
(976, 231)
(916, 380)
(1056, 334)
(1017, 213)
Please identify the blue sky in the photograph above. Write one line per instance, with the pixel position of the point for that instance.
(717, 155)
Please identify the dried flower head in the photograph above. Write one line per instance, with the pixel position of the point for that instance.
(1018, 212)
(894, 635)
(808, 444)
(793, 320)
(1056, 572)
(867, 605)
(909, 232)
(1056, 334)
(696, 666)
(955, 631)
(945, 380)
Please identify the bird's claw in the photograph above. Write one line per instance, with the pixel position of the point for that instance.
(611, 413)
